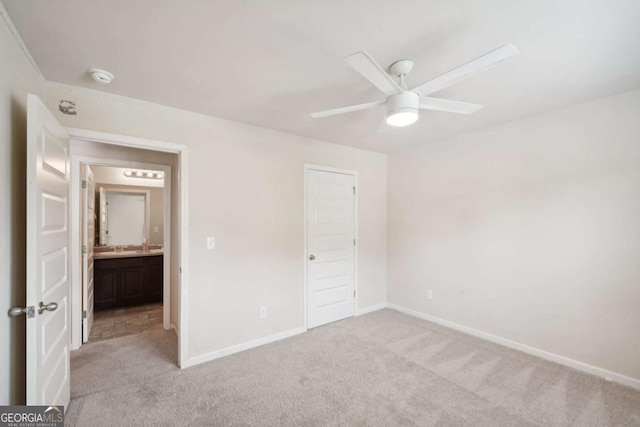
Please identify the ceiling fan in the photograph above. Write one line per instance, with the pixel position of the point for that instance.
(402, 104)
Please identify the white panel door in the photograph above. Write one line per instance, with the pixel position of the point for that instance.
(48, 331)
(88, 241)
(331, 247)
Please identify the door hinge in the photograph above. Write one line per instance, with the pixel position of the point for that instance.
(84, 249)
(354, 190)
(84, 314)
(354, 293)
(84, 183)
(354, 242)
(180, 270)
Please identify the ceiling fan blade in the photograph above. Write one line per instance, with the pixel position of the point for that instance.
(348, 109)
(467, 70)
(437, 104)
(370, 70)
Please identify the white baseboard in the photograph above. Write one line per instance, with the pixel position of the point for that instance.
(562, 360)
(371, 308)
(174, 327)
(192, 361)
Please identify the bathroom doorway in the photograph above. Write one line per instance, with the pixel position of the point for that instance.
(123, 226)
(131, 269)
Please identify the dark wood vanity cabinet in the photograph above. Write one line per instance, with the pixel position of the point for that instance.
(121, 282)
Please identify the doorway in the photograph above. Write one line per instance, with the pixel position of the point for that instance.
(54, 245)
(331, 244)
(146, 156)
(126, 242)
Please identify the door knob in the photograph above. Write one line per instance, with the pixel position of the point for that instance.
(312, 257)
(52, 306)
(17, 311)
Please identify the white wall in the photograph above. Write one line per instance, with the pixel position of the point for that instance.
(246, 189)
(529, 231)
(18, 76)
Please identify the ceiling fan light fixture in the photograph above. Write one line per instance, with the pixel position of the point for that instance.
(402, 117)
(402, 109)
(403, 103)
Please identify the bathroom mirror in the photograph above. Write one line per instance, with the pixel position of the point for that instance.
(124, 216)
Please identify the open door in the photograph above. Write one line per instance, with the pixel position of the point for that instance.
(88, 240)
(48, 266)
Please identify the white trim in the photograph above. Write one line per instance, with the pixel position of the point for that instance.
(307, 168)
(371, 309)
(75, 251)
(183, 272)
(126, 141)
(305, 255)
(174, 328)
(18, 39)
(242, 347)
(562, 360)
(167, 242)
(183, 217)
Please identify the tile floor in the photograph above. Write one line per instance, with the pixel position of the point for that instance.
(119, 322)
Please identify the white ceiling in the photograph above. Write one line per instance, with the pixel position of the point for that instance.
(271, 63)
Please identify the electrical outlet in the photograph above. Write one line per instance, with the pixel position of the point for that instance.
(429, 294)
(263, 311)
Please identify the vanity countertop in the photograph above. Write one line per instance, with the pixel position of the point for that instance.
(127, 254)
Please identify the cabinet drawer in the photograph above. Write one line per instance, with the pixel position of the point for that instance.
(119, 262)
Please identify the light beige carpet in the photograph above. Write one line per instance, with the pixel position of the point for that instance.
(381, 369)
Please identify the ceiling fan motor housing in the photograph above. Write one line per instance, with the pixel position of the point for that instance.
(405, 101)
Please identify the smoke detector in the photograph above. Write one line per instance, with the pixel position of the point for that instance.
(101, 76)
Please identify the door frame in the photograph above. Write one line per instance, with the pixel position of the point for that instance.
(182, 231)
(84, 257)
(307, 168)
(77, 285)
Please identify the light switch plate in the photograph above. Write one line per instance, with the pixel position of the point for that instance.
(211, 243)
